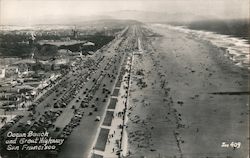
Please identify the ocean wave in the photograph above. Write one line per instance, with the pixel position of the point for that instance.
(236, 49)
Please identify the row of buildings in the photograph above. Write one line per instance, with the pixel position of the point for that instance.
(21, 81)
(19, 69)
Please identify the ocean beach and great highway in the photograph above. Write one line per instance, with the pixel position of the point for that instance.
(166, 80)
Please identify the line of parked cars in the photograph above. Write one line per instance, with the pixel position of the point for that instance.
(74, 122)
(9, 124)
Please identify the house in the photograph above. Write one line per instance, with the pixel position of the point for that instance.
(11, 71)
(2, 72)
(58, 63)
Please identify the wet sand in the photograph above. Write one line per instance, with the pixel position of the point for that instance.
(172, 111)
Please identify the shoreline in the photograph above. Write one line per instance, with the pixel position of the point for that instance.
(237, 49)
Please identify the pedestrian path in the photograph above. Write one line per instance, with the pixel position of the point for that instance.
(114, 141)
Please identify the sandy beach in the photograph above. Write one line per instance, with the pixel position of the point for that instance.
(181, 103)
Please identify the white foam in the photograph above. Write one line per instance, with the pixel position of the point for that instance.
(237, 49)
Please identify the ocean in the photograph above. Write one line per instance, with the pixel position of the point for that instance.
(237, 49)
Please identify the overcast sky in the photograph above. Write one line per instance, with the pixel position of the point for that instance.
(30, 11)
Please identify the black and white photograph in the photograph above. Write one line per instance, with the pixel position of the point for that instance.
(124, 78)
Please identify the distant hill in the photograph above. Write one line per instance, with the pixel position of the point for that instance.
(109, 23)
(97, 21)
(119, 18)
(233, 27)
(147, 16)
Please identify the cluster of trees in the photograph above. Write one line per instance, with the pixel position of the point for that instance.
(20, 45)
(98, 40)
(11, 45)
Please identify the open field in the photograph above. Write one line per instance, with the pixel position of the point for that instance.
(108, 118)
(115, 93)
(102, 139)
(112, 103)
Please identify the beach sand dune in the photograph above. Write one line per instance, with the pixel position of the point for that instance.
(173, 112)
